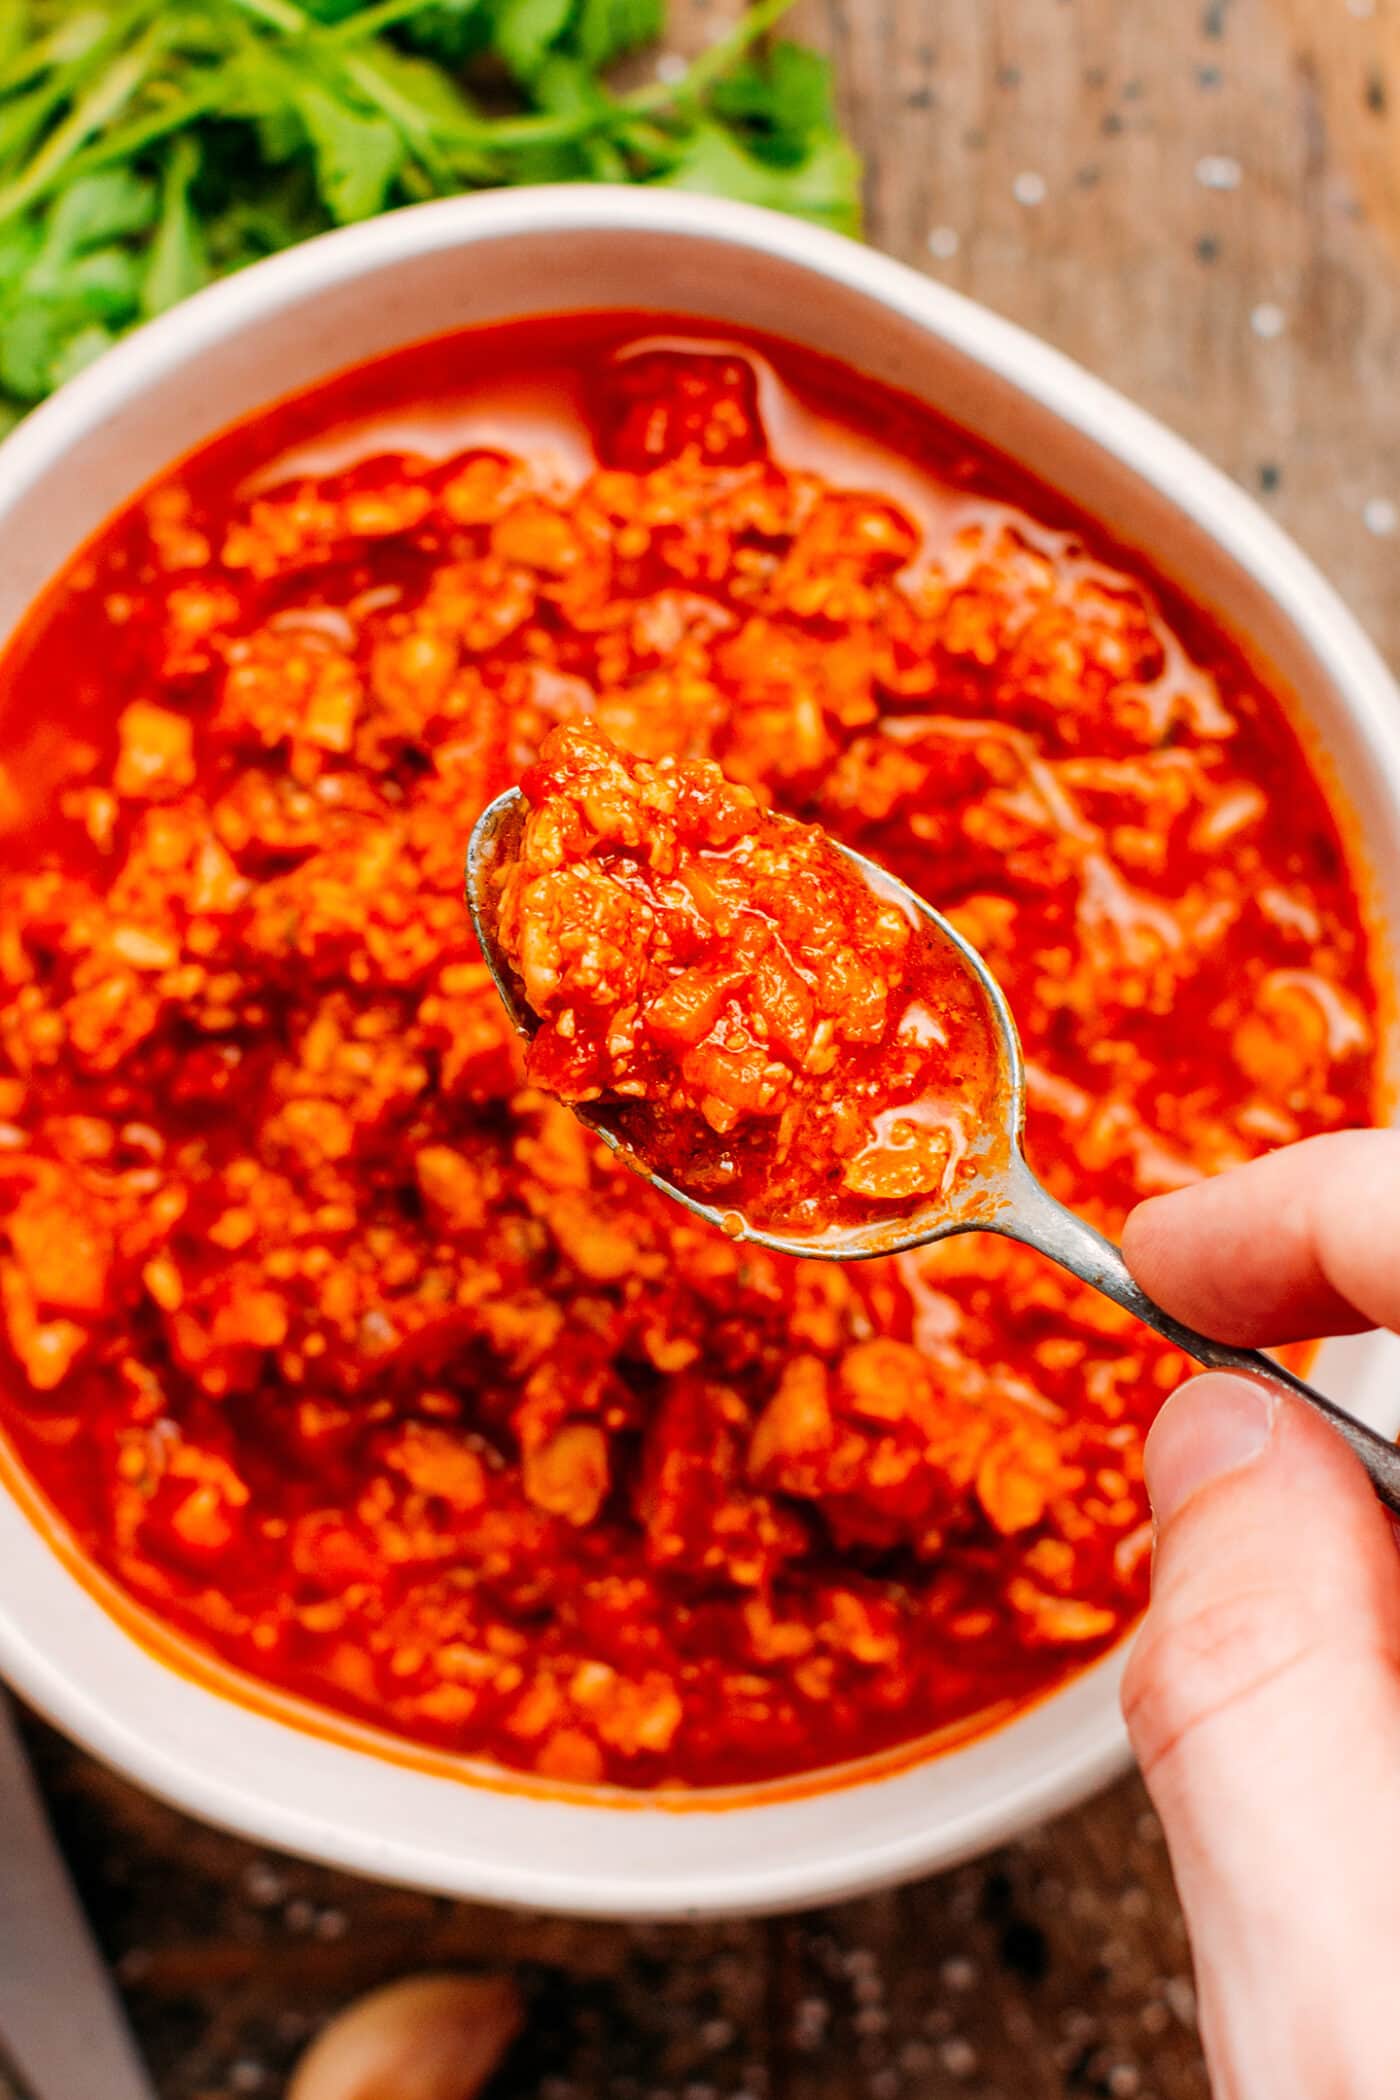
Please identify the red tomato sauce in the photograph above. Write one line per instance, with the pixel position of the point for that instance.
(760, 1027)
(345, 1348)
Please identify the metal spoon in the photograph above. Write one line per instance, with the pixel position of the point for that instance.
(1001, 1196)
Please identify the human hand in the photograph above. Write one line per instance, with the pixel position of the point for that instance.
(1263, 1697)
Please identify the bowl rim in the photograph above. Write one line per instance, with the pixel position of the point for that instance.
(1203, 494)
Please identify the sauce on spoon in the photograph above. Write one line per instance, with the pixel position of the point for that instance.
(756, 1022)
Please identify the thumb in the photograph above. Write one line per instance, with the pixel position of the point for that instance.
(1263, 1699)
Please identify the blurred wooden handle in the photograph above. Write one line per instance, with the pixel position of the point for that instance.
(59, 2016)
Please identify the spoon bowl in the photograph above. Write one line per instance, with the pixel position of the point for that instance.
(976, 1199)
(1001, 1194)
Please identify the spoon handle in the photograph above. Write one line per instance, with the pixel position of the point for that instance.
(1038, 1220)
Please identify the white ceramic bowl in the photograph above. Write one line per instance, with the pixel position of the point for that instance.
(352, 295)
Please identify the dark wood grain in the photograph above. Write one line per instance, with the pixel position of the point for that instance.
(1199, 200)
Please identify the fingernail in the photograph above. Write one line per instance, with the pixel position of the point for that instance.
(1212, 1426)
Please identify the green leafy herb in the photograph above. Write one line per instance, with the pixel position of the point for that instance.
(177, 262)
(526, 31)
(357, 155)
(147, 146)
(816, 186)
(603, 30)
(782, 96)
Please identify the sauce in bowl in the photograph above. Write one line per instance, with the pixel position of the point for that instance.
(341, 1345)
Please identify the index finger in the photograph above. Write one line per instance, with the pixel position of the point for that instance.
(1304, 1242)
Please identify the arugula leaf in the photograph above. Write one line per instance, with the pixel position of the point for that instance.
(18, 247)
(823, 185)
(97, 209)
(36, 341)
(566, 87)
(605, 30)
(525, 30)
(177, 263)
(781, 144)
(27, 57)
(424, 99)
(783, 95)
(23, 118)
(356, 155)
(432, 115)
(106, 284)
(450, 31)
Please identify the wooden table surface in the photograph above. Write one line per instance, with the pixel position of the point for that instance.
(1199, 199)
